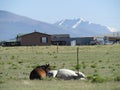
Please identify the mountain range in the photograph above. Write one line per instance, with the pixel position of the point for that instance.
(82, 27)
(12, 24)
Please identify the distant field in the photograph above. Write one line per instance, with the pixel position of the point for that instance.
(101, 64)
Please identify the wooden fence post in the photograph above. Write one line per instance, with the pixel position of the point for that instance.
(57, 47)
(78, 67)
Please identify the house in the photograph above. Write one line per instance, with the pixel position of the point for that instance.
(34, 38)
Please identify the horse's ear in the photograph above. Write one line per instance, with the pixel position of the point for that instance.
(47, 64)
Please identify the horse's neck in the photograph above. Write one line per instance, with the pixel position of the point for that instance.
(40, 72)
(43, 67)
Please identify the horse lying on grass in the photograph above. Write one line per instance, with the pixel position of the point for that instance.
(39, 72)
(66, 74)
(43, 71)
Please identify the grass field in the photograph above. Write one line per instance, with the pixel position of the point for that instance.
(101, 64)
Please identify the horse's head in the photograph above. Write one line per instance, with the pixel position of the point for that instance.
(47, 68)
(81, 75)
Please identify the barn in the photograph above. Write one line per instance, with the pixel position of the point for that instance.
(33, 39)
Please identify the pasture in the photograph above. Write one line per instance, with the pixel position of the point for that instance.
(101, 64)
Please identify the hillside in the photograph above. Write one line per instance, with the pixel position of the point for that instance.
(12, 24)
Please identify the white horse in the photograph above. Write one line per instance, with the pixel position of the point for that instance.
(52, 73)
(67, 74)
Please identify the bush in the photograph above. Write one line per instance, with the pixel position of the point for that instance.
(89, 77)
(1, 81)
(20, 62)
(53, 67)
(96, 78)
(12, 57)
(77, 66)
(117, 88)
(117, 78)
(55, 56)
(95, 71)
(13, 66)
(93, 66)
(83, 65)
(100, 60)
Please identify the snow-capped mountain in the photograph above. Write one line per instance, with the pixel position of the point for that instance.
(12, 24)
(84, 28)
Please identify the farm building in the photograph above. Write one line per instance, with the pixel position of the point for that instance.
(82, 40)
(59, 39)
(34, 38)
(112, 39)
(65, 39)
(10, 43)
(107, 40)
(40, 39)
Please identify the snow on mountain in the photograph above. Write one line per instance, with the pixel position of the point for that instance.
(112, 29)
(61, 22)
(84, 28)
(77, 23)
(67, 23)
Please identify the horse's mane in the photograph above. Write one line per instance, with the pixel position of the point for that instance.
(44, 67)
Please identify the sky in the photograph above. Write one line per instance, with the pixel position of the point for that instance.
(104, 12)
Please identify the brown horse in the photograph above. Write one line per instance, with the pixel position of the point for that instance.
(39, 72)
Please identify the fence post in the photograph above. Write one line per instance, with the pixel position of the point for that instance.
(57, 47)
(78, 67)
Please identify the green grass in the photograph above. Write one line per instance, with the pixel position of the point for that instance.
(100, 63)
(58, 85)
